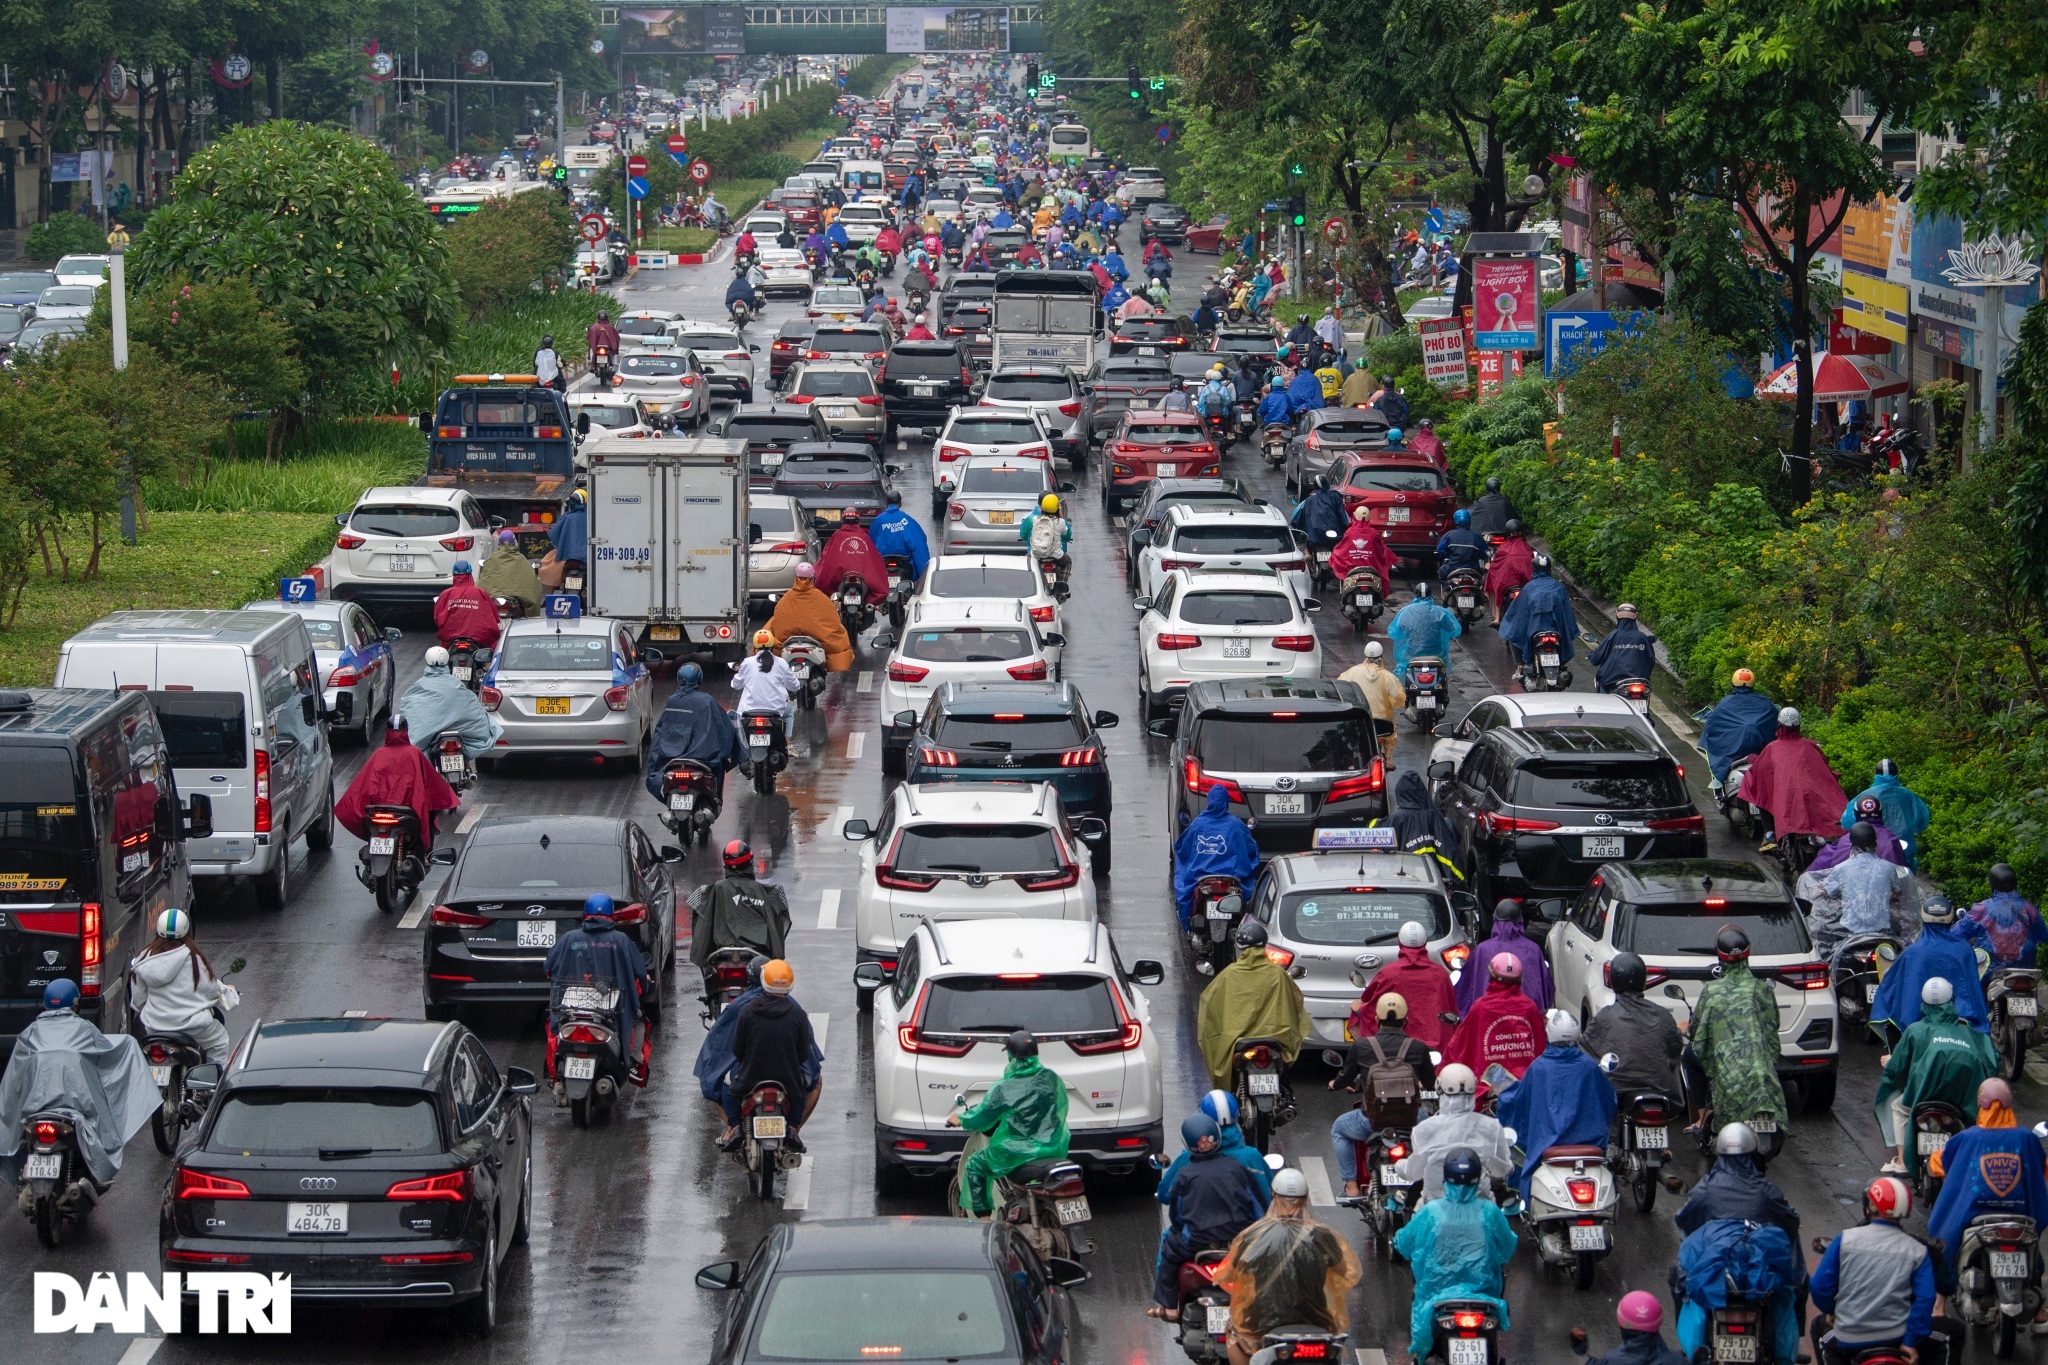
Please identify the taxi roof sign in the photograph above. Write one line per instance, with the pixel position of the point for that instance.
(1353, 837)
(561, 606)
(298, 589)
(497, 379)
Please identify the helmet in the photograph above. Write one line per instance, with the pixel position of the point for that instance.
(737, 854)
(1639, 1311)
(849, 514)
(1994, 1090)
(1275, 383)
(1461, 518)
(1289, 1183)
(1870, 808)
(1392, 1005)
(463, 566)
(690, 675)
(397, 721)
(894, 497)
(1540, 562)
(778, 977)
(1197, 1129)
(2003, 878)
(1887, 768)
(1020, 1044)
(755, 964)
(1422, 591)
(1626, 974)
(604, 315)
(1938, 910)
(1789, 717)
(1456, 1079)
(1561, 1029)
(508, 536)
(1936, 990)
(1508, 909)
(1250, 933)
(436, 657)
(1505, 967)
(806, 569)
(1627, 609)
(173, 923)
(1413, 935)
(1049, 503)
(1426, 424)
(1361, 513)
(548, 342)
(1393, 433)
(1732, 944)
(579, 496)
(597, 906)
(1863, 836)
(1735, 1139)
(1493, 485)
(61, 994)
(1742, 677)
(1888, 1197)
(1221, 1106)
(1512, 527)
(764, 638)
(1462, 1167)
(1374, 650)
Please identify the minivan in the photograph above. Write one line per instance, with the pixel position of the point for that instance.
(865, 176)
(237, 694)
(92, 847)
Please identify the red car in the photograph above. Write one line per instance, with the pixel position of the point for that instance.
(1150, 443)
(1410, 498)
(801, 206)
(1208, 238)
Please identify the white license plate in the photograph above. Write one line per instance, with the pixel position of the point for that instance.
(1870, 991)
(923, 390)
(1361, 599)
(757, 741)
(1216, 911)
(1467, 601)
(839, 412)
(682, 800)
(401, 563)
(161, 1075)
(753, 561)
(771, 1126)
(1263, 1083)
(2022, 1005)
(1219, 1321)
(1396, 515)
(383, 843)
(1735, 1349)
(1653, 1137)
(451, 763)
(1148, 350)
(461, 672)
(1547, 659)
(1291, 804)
(1426, 702)
(315, 1218)
(1589, 1237)
(1237, 649)
(1763, 1125)
(43, 1166)
(579, 1068)
(2008, 1265)
(1930, 1143)
(588, 997)
(1072, 1211)
(536, 933)
(1467, 1350)
(1603, 846)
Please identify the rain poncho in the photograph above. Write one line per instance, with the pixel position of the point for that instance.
(1646, 1038)
(714, 1054)
(805, 610)
(1508, 938)
(1543, 605)
(1427, 443)
(1420, 980)
(1253, 997)
(1422, 828)
(1491, 513)
(1866, 887)
(1423, 629)
(1735, 1036)
(849, 553)
(1629, 651)
(692, 726)
(1283, 1271)
(438, 703)
(1995, 1167)
(896, 532)
(507, 574)
(1384, 694)
(1740, 724)
(1563, 1099)
(1748, 1260)
(1833, 855)
(1905, 814)
(1502, 1026)
(1321, 511)
(570, 535)
(1514, 563)
(1237, 1149)
(397, 774)
(1363, 546)
(464, 611)
(65, 1063)
(735, 912)
(1791, 781)
(1939, 1058)
(1941, 950)
(1214, 844)
(1734, 1187)
(604, 957)
(2009, 926)
(1458, 1246)
(1024, 1115)
(1305, 392)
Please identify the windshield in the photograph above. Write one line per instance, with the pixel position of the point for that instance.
(982, 582)
(1690, 930)
(983, 431)
(770, 430)
(1236, 609)
(1020, 387)
(847, 343)
(340, 1122)
(1233, 540)
(43, 843)
(203, 729)
(1354, 917)
(378, 519)
(639, 327)
(1313, 744)
(1043, 1005)
(836, 384)
(536, 867)
(555, 654)
(12, 318)
(1600, 786)
(1015, 479)
(67, 296)
(967, 645)
(1396, 480)
(869, 1315)
(709, 341)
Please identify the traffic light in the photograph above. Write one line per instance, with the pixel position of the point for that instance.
(1137, 81)
(1031, 75)
(1297, 209)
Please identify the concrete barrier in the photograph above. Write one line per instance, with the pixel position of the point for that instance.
(689, 258)
(655, 260)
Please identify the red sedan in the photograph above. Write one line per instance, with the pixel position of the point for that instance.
(1410, 498)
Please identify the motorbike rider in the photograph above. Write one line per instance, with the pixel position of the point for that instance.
(1423, 629)
(1735, 1187)
(742, 291)
(1025, 1116)
(773, 1041)
(692, 726)
(1215, 843)
(1543, 604)
(464, 611)
(1216, 396)
(1213, 1199)
(61, 1061)
(1939, 1058)
(1876, 1282)
(1641, 1318)
(1639, 1031)
(173, 989)
(895, 532)
(1320, 517)
(714, 1054)
(601, 334)
(1221, 1106)
(1304, 392)
(786, 239)
(744, 247)
(850, 553)
(1791, 783)
(1275, 409)
(1384, 694)
(1363, 546)
(1735, 1039)
(1563, 1099)
(1512, 566)
(570, 535)
(919, 331)
(1509, 936)
(765, 683)
(1502, 1026)
(437, 703)
(1492, 512)
(1868, 811)
(1426, 442)
(1422, 829)
(396, 774)
(1627, 652)
(1941, 950)
(1458, 1246)
(806, 610)
(1421, 981)
(598, 952)
(506, 573)
(1456, 1124)
(1905, 814)
(1389, 1042)
(737, 911)
(2007, 924)
(1969, 1194)
(1862, 895)
(1253, 997)
(1740, 725)
(1049, 535)
(547, 366)
(1461, 547)
(1286, 1269)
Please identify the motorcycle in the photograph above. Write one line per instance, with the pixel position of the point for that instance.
(1643, 1142)
(1049, 570)
(1740, 815)
(1043, 1199)
(1770, 1138)
(742, 261)
(725, 980)
(765, 1136)
(1218, 905)
(589, 1054)
(1362, 598)
(1300, 1342)
(1853, 967)
(1319, 575)
(509, 609)
(1204, 1323)
(690, 795)
(854, 612)
(392, 864)
(806, 658)
(456, 766)
(59, 1191)
(1258, 1077)
(902, 584)
(1545, 670)
(467, 662)
(1429, 691)
(767, 748)
(1273, 446)
(1463, 596)
(603, 364)
(2014, 1010)
(1571, 1209)
(170, 1056)
(741, 312)
(1934, 1123)
(1998, 1280)
(1467, 1332)
(952, 255)
(572, 575)
(1735, 1332)
(1387, 1200)
(1217, 423)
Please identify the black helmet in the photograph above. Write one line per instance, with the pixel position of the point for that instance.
(1493, 485)
(397, 721)
(1732, 944)
(2003, 878)
(1938, 910)
(1513, 528)
(1250, 933)
(1887, 768)
(547, 343)
(1509, 909)
(1540, 563)
(1863, 836)
(1626, 974)
(1462, 1167)
(755, 964)
(1020, 1044)
(604, 315)
(1422, 591)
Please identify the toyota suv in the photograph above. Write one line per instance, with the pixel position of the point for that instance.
(921, 382)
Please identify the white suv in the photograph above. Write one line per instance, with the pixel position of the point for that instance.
(998, 578)
(727, 358)
(946, 641)
(1221, 536)
(400, 546)
(958, 989)
(1205, 624)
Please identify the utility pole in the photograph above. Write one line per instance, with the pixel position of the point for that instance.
(117, 296)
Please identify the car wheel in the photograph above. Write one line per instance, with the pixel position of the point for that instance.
(891, 1180)
(271, 890)
(320, 836)
(894, 760)
(479, 1316)
(523, 1229)
(1817, 1093)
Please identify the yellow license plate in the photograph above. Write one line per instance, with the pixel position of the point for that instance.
(551, 706)
(828, 513)
(1002, 518)
(664, 632)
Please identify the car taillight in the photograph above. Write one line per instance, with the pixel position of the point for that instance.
(908, 1037)
(545, 434)
(815, 355)
(937, 758)
(1068, 875)
(801, 398)
(1080, 758)
(1169, 565)
(1289, 565)
(458, 919)
(344, 676)
(263, 791)
(1200, 783)
(956, 331)
(1314, 440)
(448, 433)
(490, 697)
(1582, 1190)
(1299, 644)
(1041, 613)
(1035, 671)
(956, 511)
(1132, 1034)
(903, 881)
(348, 540)
(452, 1188)
(1683, 824)
(1036, 452)
(1373, 779)
(783, 346)
(902, 672)
(1805, 976)
(615, 698)
(954, 452)
(89, 944)
(869, 400)
(1495, 823)
(1070, 409)
(199, 1185)
(787, 547)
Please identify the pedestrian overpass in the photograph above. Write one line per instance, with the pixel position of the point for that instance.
(698, 29)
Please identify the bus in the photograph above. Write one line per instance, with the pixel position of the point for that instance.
(1069, 142)
(1046, 317)
(450, 202)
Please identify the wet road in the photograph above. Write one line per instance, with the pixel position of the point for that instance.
(626, 1212)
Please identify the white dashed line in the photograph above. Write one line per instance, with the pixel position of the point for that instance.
(821, 1025)
(856, 743)
(421, 903)
(355, 1014)
(1319, 1192)
(141, 1351)
(1371, 1355)
(840, 816)
(866, 681)
(474, 814)
(828, 909)
(796, 1187)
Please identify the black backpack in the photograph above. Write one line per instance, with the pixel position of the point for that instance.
(1393, 1097)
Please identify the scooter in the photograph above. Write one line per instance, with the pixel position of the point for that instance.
(1934, 1123)
(509, 609)
(572, 575)
(1463, 596)
(454, 761)
(1998, 1280)
(1545, 670)
(765, 1134)
(1042, 1199)
(1049, 570)
(1467, 1332)
(767, 747)
(806, 658)
(58, 1190)
(1387, 1201)
(1218, 905)
(1570, 1209)
(604, 366)
(854, 612)
(392, 864)
(1853, 968)
(1319, 575)
(1273, 446)
(1204, 1323)
(902, 584)
(725, 980)
(741, 313)
(588, 1054)
(1217, 423)
(1362, 598)
(1258, 1077)
(2009, 993)
(170, 1056)
(1643, 1122)
(1429, 688)
(467, 661)
(689, 793)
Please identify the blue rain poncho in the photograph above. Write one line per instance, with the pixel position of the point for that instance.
(1423, 629)
(1905, 814)
(1987, 1170)
(1939, 951)
(692, 726)
(590, 955)
(1740, 724)
(1543, 604)
(896, 532)
(1562, 1099)
(1215, 844)
(570, 535)
(1237, 1149)
(1305, 392)
(1458, 1246)
(715, 1055)
(64, 1063)
(1749, 1260)
(1322, 510)
(438, 703)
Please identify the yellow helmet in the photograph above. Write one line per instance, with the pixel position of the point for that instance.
(1049, 503)
(764, 639)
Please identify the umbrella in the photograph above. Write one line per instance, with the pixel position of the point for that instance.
(1836, 379)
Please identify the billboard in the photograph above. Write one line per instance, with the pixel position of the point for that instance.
(692, 29)
(1506, 304)
(948, 30)
(1443, 352)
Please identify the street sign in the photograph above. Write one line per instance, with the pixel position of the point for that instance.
(298, 589)
(677, 145)
(479, 59)
(1506, 304)
(1165, 133)
(1336, 230)
(1496, 368)
(699, 172)
(1582, 330)
(636, 166)
(592, 227)
(1443, 352)
(1433, 221)
(636, 186)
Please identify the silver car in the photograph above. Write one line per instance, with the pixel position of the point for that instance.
(353, 656)
(987, 508)
(572, 686)
(845, 393)
(727, 357)
(1050, 392)
(787, 538)
(664, 384)
(645, 329)
(970, 433)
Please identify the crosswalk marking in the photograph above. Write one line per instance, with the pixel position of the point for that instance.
(856, 743)
(1319, 1192)
(417, 911)
(141, 1351)
(840, 815)
(355, 1014)
(828, 909)
(866, 681)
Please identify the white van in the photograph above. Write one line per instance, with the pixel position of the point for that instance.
(238, 696)
(1069, 142)
(865, 176)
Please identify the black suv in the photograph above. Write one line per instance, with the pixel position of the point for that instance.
(370, 1159)
(1539, 811)
(1152, 334)
(828, 477)
(1164, 222)
(1162, 495)
(1292, 755)
(922, 381)
(770, 429)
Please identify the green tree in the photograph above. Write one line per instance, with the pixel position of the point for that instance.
(219, 334)
(509, 248)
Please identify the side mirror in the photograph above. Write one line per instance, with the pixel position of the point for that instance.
(755, 347)
(1105, 720)
(1141, 604)
(892, 469)
(344, 708)
(650, 655)
(1161, 728)
(198, 821)
(445, 857)
(393, 635)
(906, 720)
(884, 640)
(1054, 639)
(856, 830)
(1312, 605)
(309, 708)
(753, 533)
(1142, 537)
(202, 1080)
(1065, 1273)
(341, 518)
(671, 854)
(520, 1081)
(870, 976)
(1550, 909)
(583, 423)
(1091, 829)
(1066, 488)
(1442, 770)
(721, 1275)
(1148, 971)
(1465, 903)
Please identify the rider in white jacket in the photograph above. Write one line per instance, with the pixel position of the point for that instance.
(174, 989)
(764, 681)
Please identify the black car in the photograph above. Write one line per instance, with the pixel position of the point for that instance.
(1153, 334)
(1114, 386)
(1003, 244)
(867, 341)
(828, 477)
(895, 1289)
(770, 429)
(519, 884)
(1160, 496)
(922, 381)
(368, 1159)
(967, 324)
(1018, 732)
(1257, 342)
(1293, 756)
(792, 339)
(1539, 811)
(1164, 222)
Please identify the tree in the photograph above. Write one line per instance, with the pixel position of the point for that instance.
(220, 335)
(509, 247)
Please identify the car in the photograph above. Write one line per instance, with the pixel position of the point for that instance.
(1152, 334)
(1050, 392)
(1160, 496)
(845, 394)
(787, 539)
(985, 200)
(954, 641)
(66, 303)
(646, 329)
(1292, 756)
(82, 269)
(42, 334)
(785, 271)
(969, 432)
(1412, 501)
(575, 686)
(1208, 623)
(1538, 711)
(942, 207)
(366, 1159)
(922, 1288)
(836, 302)
(1321, 436)
(1539, 811)
(770, 429)
(922, 381)
(352, 655)
(1003, 244)
(398, 546)
(968, 322)
(1430, 308)
(519, 883)
(1334, 915)
(1222, 538)
(726, 357)
(1150, 443)
(14, 317)
(608, 412)
(1236, 342)
(802, 206)
(24, 286)
(1208, 237)
(1141, 185)
(863, 222)
(1163, 222)
(993, 495)
(1114, 385)
(999, 576)
(1668, 912)
(865, 342)
(827, 477)
(765, 224)
(668, 384)
(967, 286)
(792, 339)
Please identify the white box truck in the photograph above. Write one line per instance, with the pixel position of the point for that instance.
(668, 541)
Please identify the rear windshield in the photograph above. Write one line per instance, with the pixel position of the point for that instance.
(610, 418)
(42, 830)
(532, 867)
(1396, 480)
(505, 412)
(1019, 387)
(1352, 428)
(1158, 512)
(639, 327)
(378, 519)
(1689, 930)
(990, 431)
(967, 645)
(1352, 918)
(1149, 327)
(334, 1121)
(972, 317)
(773, 520)
(203, 729)
(866, 1315)
(1160, 434)
(1314, 744)
(709, 341)
(836, 384)
(1233, 540)
(1236, 609)
(977, 582)
(938, 364)
(555, 654)
(859, 343)
(1003, 479)
(644, 363)
(1041, 1005)
(68, 296)
(992, 849)
(804, 466)
(1000, 733)
(847, 296)
(1600, 786)
(770, 430)
(1249, 345)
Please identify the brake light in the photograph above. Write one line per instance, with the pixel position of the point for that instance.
(586, 1033)
(448, 433)
(46, 1132)
(1373, 779)
(1469, 1322)
(1080, 758)
(199, 1185)
(1041, 613)
(452, 1188)
(909, 673)
(908, 1037)
(787, 547)
(1035, 671)
(1396, 1151)
(615, 698)
(177, 1256)
(1169, 565)
(1295, 565)
(1314, 440)
(348, 540)
(1684, 824)
(1036, 452)
(815, 355)
(344, 676)
(1310, 1350)
(458, 919)
(1260, 1056)
(783, 346)
(384, 817)
(956, 511)
(636, 913)
(956, 331)
(1299, 644)
(937, 758)
(430, 1258)
(89, 946)
(263, 791)
(490, 697)
(1494, 823)
(801, 398)
(1805, 976)
(869, 400)
(1070, 409)
(1200, 783)
(954, 452)
(903, 881)
(547, 434)
(1582, 1191)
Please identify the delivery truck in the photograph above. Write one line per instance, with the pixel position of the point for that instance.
(668, 541)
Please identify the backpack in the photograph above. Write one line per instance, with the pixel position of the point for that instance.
(1045, 537)
(1393, 1097)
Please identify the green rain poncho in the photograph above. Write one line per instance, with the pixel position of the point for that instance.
(1939, 1058)
(1253, 997)
(1735, 1033)
(1024, 1115)
(506, 573)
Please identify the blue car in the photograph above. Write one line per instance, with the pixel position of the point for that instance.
(353, 655)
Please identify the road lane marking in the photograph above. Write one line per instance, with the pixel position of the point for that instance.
(141, 1350)
(866, 681)
(840, 815)
(796, 1187)
(355, 1014)
(1319, 1192)
(855, 743)
(421, 903)
(474, 814)
(1371, 1355)
(821, 1024)
(828, 909)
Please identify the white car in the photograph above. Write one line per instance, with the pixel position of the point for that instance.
(645, 329)
(1142, 185)
(835, 302)
(987, 508)
(785, 272)
(972, 432)
(942, 209)
(766, 225)
(81, 269)
(1049, 392)
(399, 546)
(957, 989)
(614, 413)
(1429, 308)
(985, 200)
(66, 302)
(726, 356)
(1217, 536)
(943, 641)
(1206, 624)
(1539, 711)
(863, 222)
(670, 383)
(969, 576)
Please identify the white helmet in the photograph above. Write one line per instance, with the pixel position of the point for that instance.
(1290, 1183)
(1374, 650)
(1789, 718)
(1457, 1079)
(1561, 1028)
(437, 657)
(1936, 990)
(1413, 935)
(173, 923)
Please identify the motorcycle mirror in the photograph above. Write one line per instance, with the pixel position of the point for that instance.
(237, 965)
(444, 856)
(1610, 1063)
(1888, 952)
(1510, 1134)
(1275, 1162)
(1232, 905)
(1435, 1058)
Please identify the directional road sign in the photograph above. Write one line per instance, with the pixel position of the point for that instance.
(1165, 133)
(1433, 221)
(636, 186)
(1580, 332)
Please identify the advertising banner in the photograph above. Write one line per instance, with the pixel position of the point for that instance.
(1495, 369)
(928, 29)
(1506, 304)
(1443, 352)
(684, 29)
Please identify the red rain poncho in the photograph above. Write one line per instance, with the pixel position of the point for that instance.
(1363, 547)
(1791, 779)
(851, 552)
(1424, 984)
(396, 775)
(1502, 1026)
(464, 611)
(1514, 564)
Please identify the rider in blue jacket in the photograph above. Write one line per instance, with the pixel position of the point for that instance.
(895, 532)
(1215, 844)
(1276, 409)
